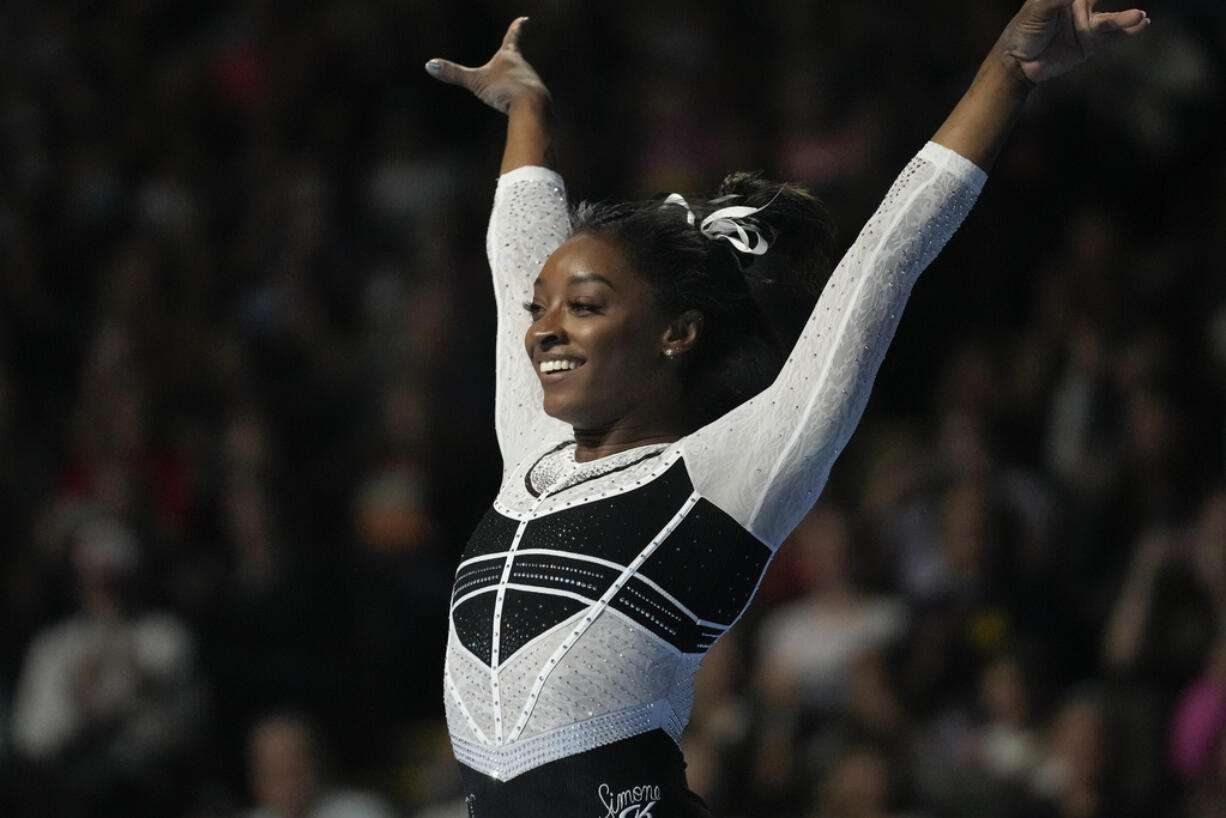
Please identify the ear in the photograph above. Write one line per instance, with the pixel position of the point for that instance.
(682, 333)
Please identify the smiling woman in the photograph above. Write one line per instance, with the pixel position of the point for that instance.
(600, 342)
(656, 446)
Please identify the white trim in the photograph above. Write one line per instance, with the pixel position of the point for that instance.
(561, 499)
(482, 558)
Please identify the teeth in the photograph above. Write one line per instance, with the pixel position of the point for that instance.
(556, 366)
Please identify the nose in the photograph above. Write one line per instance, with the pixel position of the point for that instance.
(547, 330)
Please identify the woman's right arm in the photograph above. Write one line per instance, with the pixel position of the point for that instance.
(765, 462)
(529, 221)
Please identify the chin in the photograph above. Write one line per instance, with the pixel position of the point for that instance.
(559, 410)
(575, 416)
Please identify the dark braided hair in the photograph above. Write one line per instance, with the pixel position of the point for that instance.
(752, 307)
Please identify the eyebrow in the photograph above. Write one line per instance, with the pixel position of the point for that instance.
(582, 278)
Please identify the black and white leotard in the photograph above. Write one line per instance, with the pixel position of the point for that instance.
(590, 592)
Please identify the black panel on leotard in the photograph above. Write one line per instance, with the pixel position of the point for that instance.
(578, 576)
(614, 528)
(526, 615)
(651, 609)
(494, 533)
(477, 575)
(474, 620)
(709, 564)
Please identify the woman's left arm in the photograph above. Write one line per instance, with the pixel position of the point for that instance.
(1045, 39)
(765, 462)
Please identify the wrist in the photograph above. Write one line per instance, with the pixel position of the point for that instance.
(1007, 72)
(533, 103)
(529, 141)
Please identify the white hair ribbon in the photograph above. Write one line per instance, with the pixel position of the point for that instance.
(729, 223)
(679, 200)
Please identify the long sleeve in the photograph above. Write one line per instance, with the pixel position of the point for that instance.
(765, 462)
(529, 221)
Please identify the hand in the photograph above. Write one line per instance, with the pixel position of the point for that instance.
(507, 79)
(1049, 37)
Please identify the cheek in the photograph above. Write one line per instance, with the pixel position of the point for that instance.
(632, 349)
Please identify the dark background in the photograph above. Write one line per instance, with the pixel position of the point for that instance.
(244, 316)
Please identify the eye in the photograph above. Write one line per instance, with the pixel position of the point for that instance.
(533, 309)
(584, 308)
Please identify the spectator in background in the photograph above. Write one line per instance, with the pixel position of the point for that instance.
(1197, 730)
(859, 784)
(810, 648)
(999, 756)
(290, 780)
(1008, 747)
(108, 704)
(1076, 776)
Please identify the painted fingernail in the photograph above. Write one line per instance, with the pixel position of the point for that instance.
(434, 68)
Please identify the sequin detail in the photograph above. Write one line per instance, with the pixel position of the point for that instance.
(509, 760)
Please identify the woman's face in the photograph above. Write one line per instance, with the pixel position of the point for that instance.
(598, 338)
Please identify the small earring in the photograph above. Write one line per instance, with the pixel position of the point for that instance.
(670, 352)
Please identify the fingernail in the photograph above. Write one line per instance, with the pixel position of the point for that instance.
(434, 68)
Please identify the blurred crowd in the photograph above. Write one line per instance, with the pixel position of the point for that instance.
(246, 386)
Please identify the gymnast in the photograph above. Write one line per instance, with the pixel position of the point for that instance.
(660, 435)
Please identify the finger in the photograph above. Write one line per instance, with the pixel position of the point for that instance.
(511, 39)
(1083, 15)
(1129, 21)
(450, 73)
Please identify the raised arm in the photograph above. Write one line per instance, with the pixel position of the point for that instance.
(1044, 39)
(765, 462)
(529, 220)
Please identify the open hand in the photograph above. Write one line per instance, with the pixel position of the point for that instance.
(1049, 37)
(506, 79)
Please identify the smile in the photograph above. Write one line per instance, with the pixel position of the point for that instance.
(558, 365)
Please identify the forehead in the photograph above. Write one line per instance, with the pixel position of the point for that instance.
(591, 257)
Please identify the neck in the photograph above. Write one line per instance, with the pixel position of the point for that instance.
(662, 419)
(595, 443)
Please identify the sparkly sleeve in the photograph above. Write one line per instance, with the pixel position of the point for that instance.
(765, 462)
(529, 221)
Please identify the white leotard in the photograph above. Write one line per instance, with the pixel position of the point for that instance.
(589, 593)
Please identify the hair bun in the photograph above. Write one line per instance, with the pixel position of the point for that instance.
(799, 228)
